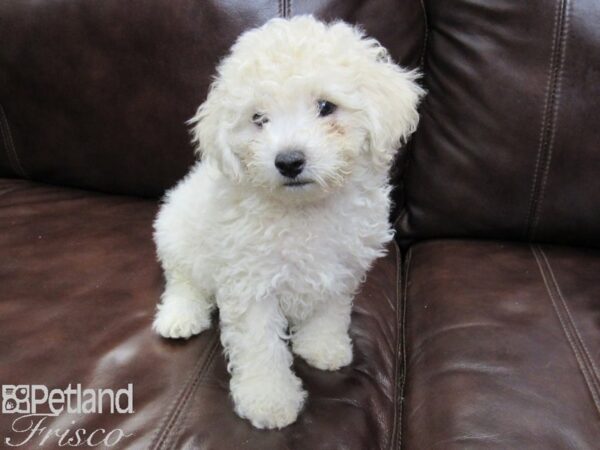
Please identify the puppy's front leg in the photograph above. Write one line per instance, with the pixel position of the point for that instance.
(322, 339)
(263, 386)
(184, 310)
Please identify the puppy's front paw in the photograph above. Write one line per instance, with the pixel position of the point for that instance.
(324, 351)
(271, 401)
(180, 319)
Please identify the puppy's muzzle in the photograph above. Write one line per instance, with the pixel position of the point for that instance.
(290, 163)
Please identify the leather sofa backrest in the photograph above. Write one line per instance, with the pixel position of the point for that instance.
(95, 93)
(509, 140)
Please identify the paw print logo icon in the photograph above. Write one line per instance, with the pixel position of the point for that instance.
(15, 399)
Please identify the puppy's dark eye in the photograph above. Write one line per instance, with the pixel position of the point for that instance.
(259, 119)
(326, 108)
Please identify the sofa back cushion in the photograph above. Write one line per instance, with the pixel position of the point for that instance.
(509, 140)
(96, 94)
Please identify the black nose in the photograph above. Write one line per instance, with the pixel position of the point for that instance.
(290, 163)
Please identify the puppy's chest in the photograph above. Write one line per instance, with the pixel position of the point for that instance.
(306, 264)
(309, 253)
(298, 246)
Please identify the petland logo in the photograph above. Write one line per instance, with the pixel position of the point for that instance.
(35, 404)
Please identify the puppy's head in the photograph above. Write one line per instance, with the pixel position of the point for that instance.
(298, 106)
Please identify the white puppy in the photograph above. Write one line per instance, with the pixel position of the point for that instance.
(288, 209)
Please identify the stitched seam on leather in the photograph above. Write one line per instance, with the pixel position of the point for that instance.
(161, 436)
(547, 116)
(426, 37)
(404, 209)
(568, 334)
(532, 193)
(397, 346)
(573, 323)
(175, 424)
(555, 106)
(9, 145)
(192, 391)
(404, 356)
(178, 430)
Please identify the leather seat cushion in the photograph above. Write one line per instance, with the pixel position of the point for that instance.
(502, 347)
(79, 283)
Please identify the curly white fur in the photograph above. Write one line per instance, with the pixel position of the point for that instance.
(284, 262)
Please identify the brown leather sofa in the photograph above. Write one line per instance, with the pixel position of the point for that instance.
(479, 330)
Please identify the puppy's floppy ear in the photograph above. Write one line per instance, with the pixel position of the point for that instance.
(391, 96)
(210, 127)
